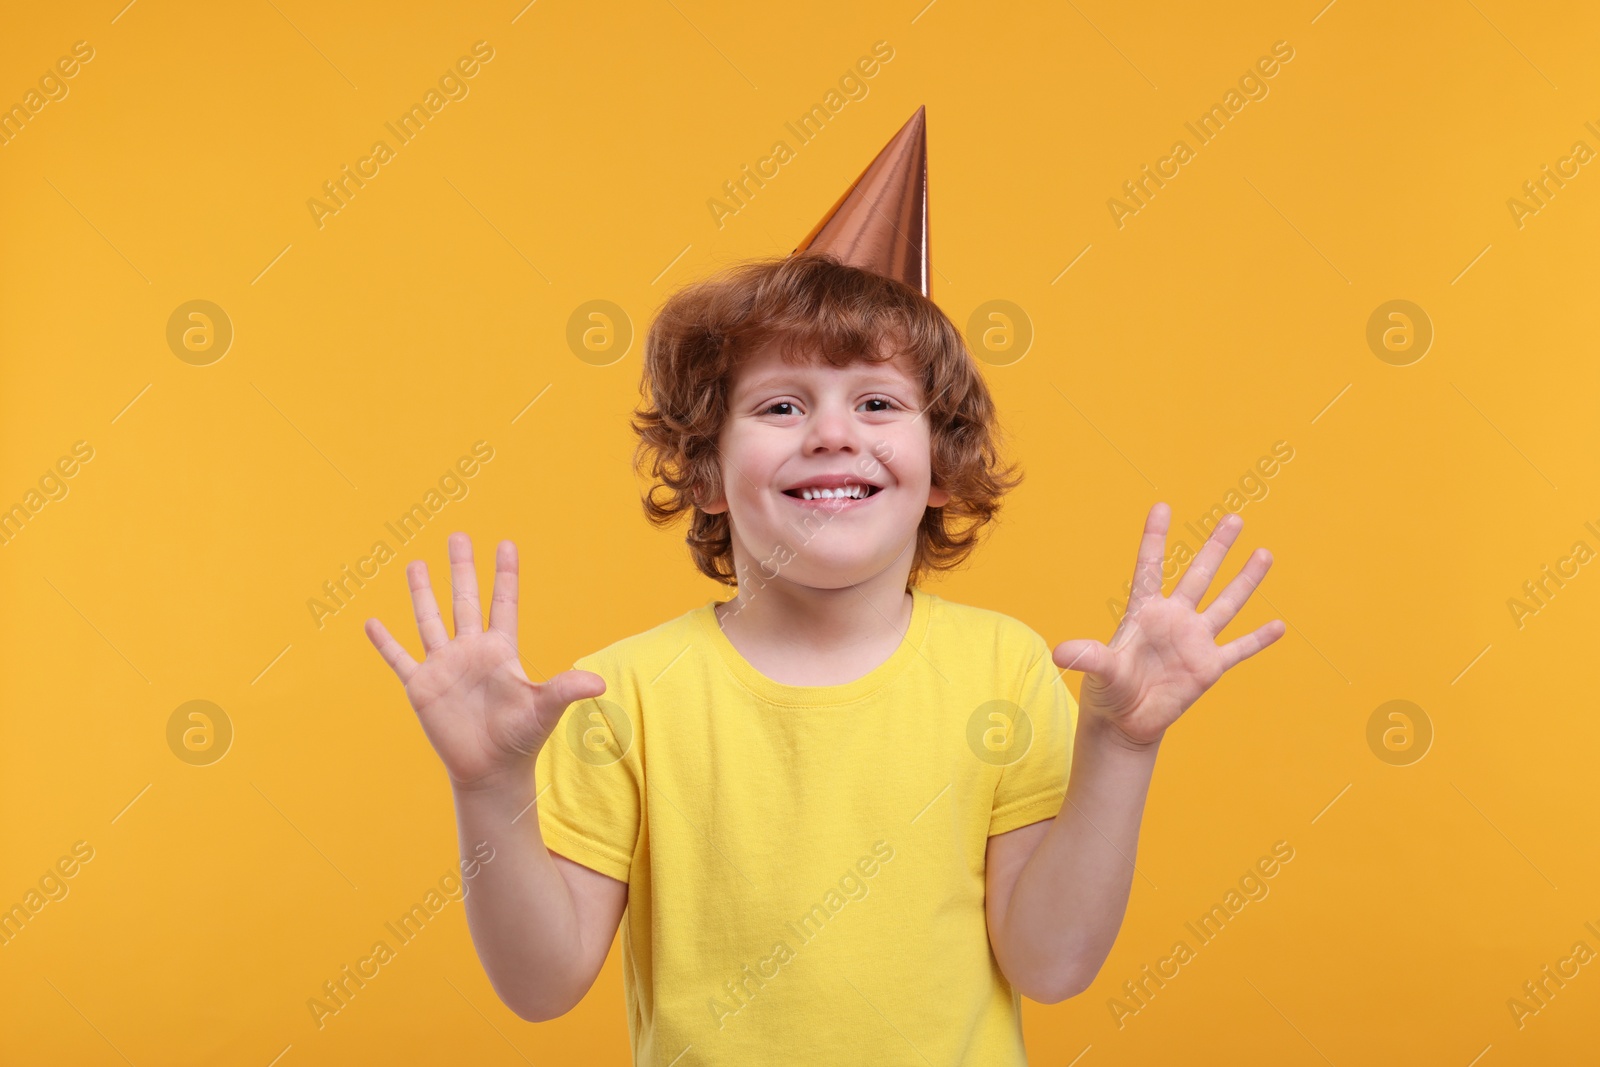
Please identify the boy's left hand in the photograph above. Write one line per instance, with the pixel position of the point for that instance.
(1164, 652)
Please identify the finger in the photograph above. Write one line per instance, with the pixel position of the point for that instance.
(1220, 612)
(1147, 567)
(1197, 579)
(1086, 655)
(393, 653)
(1242, 648)
(503, 604)
(423, 606)
(552, 698)
(569, 687)
(464, 586)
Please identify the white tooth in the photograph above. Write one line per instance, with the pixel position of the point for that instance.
(850, 492)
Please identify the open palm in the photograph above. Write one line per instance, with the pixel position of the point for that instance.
(476, 704)
(1164, 654)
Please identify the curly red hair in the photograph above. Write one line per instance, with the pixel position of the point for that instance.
(810, 304)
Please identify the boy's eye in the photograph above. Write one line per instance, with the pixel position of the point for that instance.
(772, 408)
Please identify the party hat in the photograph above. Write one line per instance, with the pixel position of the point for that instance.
(880, 224)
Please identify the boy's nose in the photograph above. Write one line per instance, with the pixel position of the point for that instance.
(830, 429)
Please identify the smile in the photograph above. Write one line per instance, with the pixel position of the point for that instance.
(834, 500)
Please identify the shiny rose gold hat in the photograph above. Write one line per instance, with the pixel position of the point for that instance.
(880, 224)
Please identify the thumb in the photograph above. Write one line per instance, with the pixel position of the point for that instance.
(1084, 654)
(552, 698)
(567, 688)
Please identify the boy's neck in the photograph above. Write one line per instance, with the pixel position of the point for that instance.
(799, 635)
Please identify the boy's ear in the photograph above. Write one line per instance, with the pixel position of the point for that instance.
(715, 506)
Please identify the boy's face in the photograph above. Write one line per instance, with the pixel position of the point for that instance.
(790, 426)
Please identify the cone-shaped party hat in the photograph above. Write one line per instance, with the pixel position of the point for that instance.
(880, 224)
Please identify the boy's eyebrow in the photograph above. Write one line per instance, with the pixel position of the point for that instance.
(876, 378)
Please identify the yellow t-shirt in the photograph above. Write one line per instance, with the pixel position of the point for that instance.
(805, 864)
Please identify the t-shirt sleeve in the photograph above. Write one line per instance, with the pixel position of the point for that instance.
(589, 776)
(1034, 785)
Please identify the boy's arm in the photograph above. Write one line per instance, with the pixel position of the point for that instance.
(1057, 889)
(541, 923)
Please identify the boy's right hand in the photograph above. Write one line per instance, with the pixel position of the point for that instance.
(484, 717)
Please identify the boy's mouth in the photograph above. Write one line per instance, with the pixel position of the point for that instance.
(842, 494)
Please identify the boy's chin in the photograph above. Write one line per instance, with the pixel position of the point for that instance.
(836, 572)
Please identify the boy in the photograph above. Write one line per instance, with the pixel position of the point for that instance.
(836, 807)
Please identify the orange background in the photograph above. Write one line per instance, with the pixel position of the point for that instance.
(371, 352)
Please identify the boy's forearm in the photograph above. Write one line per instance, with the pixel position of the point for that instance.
(519, 908)
(1069, 898)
